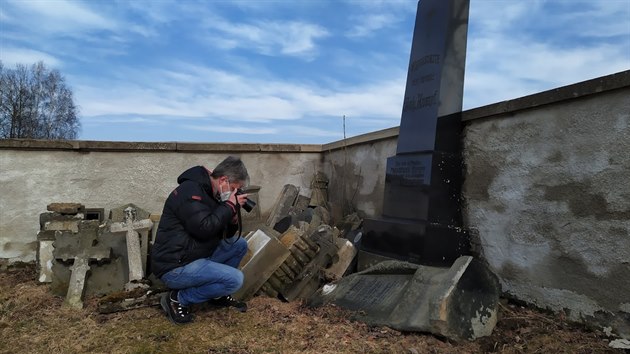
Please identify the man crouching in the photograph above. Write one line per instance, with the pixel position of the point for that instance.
(196, 252)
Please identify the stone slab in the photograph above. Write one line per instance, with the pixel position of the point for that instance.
(66, 208)
(267, 256)
(459, 302)
(45, 218)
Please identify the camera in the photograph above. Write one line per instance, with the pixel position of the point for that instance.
(249, 204)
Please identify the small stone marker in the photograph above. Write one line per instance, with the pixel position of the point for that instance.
(459, 302)
(133, 228)
(82, 247)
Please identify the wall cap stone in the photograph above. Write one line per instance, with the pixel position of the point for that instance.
(87, 146)
(601, 84)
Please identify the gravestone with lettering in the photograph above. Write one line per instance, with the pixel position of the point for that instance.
(459, 302)
(421, 220)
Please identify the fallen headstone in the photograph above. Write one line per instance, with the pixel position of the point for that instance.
(267, 254)
(459, 302)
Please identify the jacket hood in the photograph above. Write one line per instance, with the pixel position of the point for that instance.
(197, 174)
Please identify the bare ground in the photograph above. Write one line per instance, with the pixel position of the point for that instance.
(32, 320)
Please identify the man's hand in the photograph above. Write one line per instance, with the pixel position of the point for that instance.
(242, 198)
(237, 199)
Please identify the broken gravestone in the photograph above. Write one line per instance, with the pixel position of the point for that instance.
(81, 247)
(459, 302)
(283, 204)
(267, 254)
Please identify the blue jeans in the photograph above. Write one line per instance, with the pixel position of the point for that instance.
(209, 278)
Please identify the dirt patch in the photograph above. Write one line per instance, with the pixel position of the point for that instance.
(32, 320)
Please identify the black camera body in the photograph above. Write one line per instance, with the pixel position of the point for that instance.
(249, 204)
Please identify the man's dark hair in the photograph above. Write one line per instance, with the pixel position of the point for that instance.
(233, 168)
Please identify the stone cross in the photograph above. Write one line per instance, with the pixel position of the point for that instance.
(132, 227)
(82, 247)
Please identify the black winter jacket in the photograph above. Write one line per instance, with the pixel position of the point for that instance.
(193, 223)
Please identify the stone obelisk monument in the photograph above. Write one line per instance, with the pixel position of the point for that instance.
(421, 220)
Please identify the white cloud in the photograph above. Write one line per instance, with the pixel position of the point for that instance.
(289, 130)
(201, 92)
(368, 24)
(212, 127)
(292, 38)
(61, 16)
(11, 56)
(505, 61)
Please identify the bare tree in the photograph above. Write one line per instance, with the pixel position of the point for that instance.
(36, 103)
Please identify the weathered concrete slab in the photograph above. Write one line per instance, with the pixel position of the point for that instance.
(66, 208)
(267, 254)
(319, 190)
(45, 256)
(459, 302)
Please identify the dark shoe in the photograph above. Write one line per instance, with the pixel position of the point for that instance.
(175, 312)
(228, 301)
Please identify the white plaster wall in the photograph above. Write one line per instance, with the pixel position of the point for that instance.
(357, 176)
(32, 179)
(548, 191)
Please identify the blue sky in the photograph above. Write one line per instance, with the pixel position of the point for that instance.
(287, 71)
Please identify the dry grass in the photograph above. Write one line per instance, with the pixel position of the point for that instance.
(34, 321)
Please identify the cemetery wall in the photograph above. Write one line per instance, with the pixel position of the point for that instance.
(547, 189)
(546, 194)
(106, 175)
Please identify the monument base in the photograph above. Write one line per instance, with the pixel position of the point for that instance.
(413, 241)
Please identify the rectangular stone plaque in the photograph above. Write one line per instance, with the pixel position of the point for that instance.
(424, 186)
